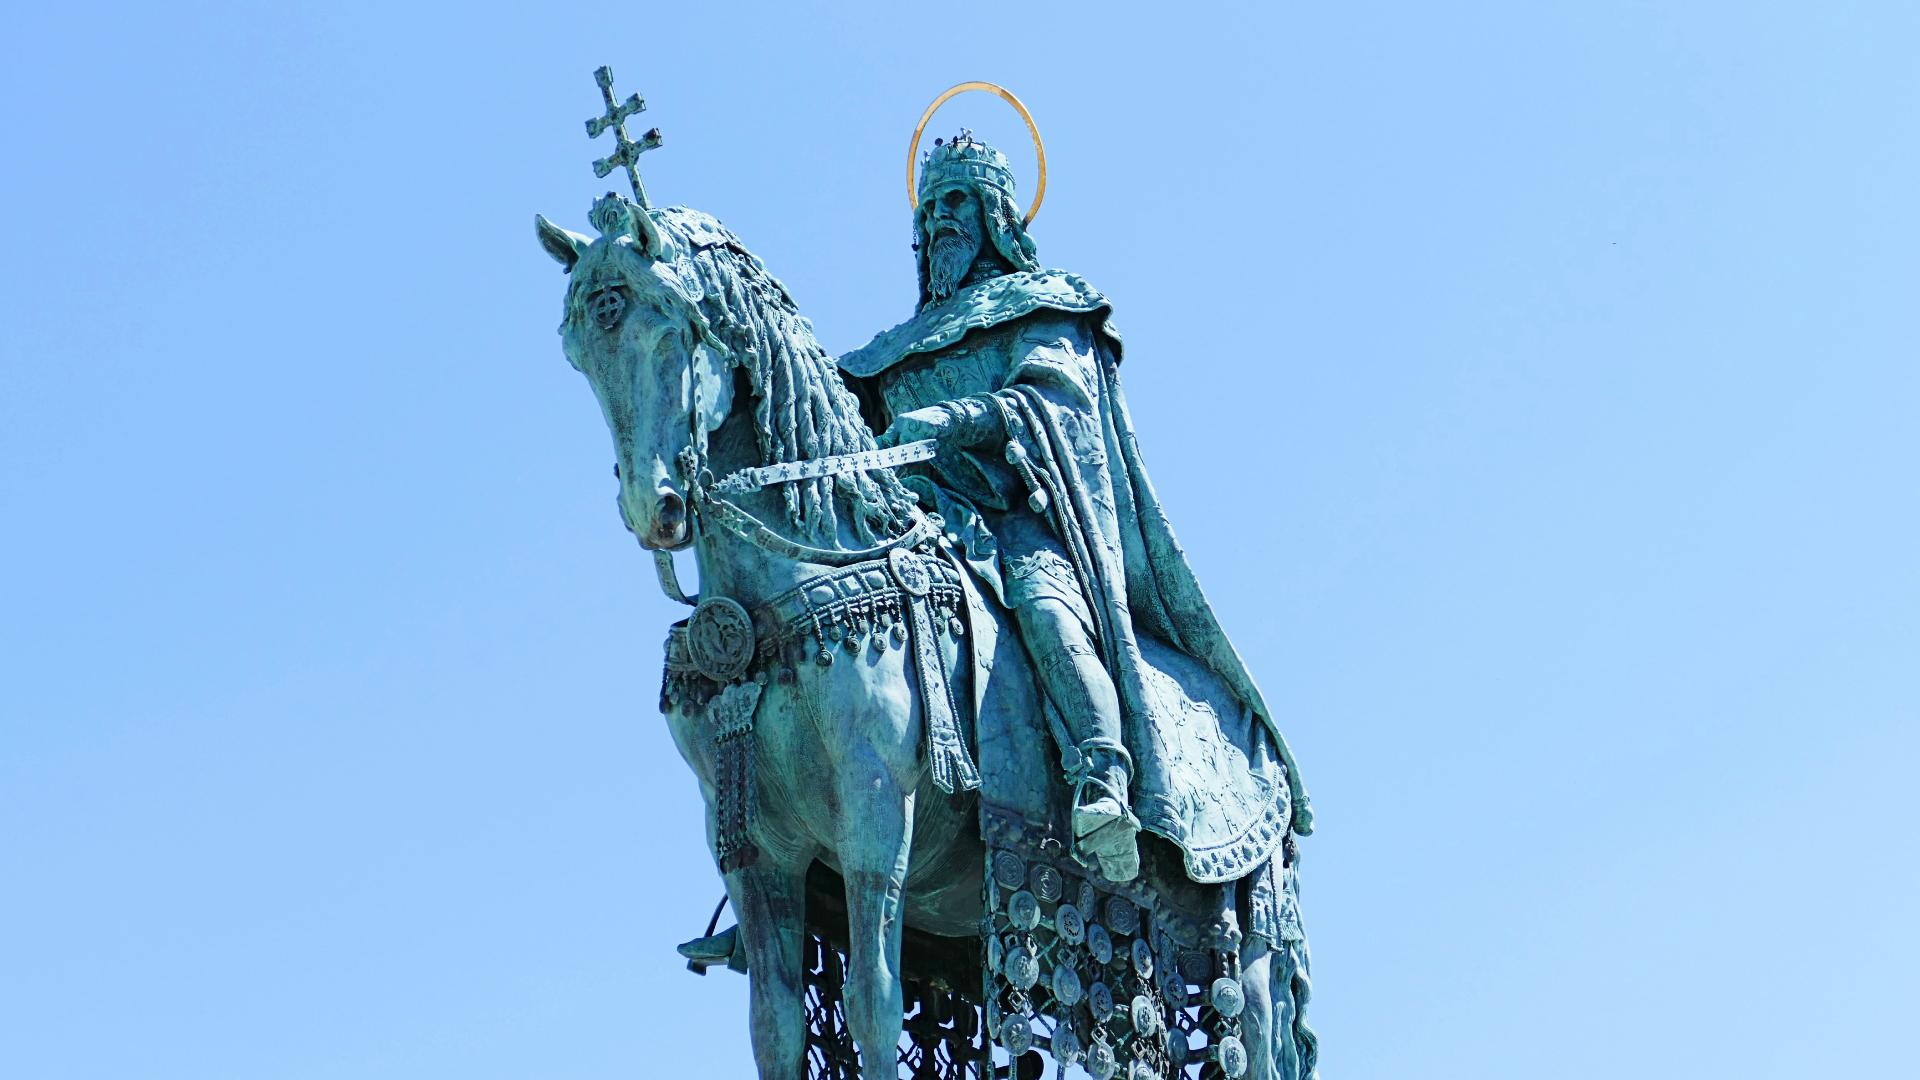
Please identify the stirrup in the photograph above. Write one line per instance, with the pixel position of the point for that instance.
(715, 950)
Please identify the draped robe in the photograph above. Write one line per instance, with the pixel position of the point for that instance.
(1212, 772)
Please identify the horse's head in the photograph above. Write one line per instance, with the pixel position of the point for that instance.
(634, 328)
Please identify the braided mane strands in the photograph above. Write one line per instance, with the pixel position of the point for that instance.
(801, 408)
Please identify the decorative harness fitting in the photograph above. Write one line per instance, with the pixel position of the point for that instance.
(898, 593)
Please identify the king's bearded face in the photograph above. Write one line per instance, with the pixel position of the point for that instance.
(956, 233)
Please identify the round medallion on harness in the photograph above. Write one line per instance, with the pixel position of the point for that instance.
(1016, 1035)
(1066, 985)
(1023, 969)
(1100, 1060)
(1066, 1045)
(910, 571)
(1233, 1056)
(720, 639)
(1226, 997)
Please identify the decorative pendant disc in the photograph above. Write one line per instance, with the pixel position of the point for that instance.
(910, 571)
(720, 639)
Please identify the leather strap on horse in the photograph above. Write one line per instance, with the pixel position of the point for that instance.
(953, 768)
(670, 579)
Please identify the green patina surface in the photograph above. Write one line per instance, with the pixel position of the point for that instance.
(982, 687)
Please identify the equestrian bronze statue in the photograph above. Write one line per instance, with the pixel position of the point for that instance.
(976, 754)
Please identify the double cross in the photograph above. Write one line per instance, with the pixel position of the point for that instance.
(626, 152)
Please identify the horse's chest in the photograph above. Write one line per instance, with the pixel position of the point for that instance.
(828, 672)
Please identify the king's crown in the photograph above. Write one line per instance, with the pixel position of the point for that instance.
(964, 158)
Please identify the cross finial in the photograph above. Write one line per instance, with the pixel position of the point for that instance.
(626, 152)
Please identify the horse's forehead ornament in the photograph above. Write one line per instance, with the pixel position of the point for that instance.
(611, 214)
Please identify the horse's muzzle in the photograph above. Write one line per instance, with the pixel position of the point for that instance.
(667, 528)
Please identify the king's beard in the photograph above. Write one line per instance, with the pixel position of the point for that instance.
(947, 264)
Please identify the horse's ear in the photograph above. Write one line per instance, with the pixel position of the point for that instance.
(565, 247)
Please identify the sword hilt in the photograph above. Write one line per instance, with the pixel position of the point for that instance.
(1037, 499)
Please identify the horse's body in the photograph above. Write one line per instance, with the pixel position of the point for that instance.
(839, 770)
(703, 366)
(840, 766)
(842, 778)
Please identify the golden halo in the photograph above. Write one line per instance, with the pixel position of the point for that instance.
(1039, 148)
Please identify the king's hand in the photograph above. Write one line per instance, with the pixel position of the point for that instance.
(932, 422)
(972, 421)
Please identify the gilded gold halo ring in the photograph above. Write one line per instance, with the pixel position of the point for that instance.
(1039, 148)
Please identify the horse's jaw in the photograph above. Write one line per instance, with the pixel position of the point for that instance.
(724, 562)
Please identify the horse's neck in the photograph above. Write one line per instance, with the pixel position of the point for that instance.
(734, 564)
(731, 566)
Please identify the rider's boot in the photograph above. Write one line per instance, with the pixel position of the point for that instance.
(1104, 826)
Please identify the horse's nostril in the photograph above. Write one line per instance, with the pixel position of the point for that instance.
(670, 519)
(673, 509)
(616, 470)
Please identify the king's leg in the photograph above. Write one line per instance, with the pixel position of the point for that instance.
(1097, 764)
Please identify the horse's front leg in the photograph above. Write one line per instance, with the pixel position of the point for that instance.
(771, 900)
(874, 835)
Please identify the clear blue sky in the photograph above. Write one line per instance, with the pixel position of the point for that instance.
(1535, 388)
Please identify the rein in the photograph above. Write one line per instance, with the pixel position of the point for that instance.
(704, 497)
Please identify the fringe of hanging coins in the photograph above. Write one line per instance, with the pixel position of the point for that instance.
(1093, 972)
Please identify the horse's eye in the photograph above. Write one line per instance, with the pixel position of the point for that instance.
(608, 307)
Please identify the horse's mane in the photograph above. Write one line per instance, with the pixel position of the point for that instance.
(802, 409)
